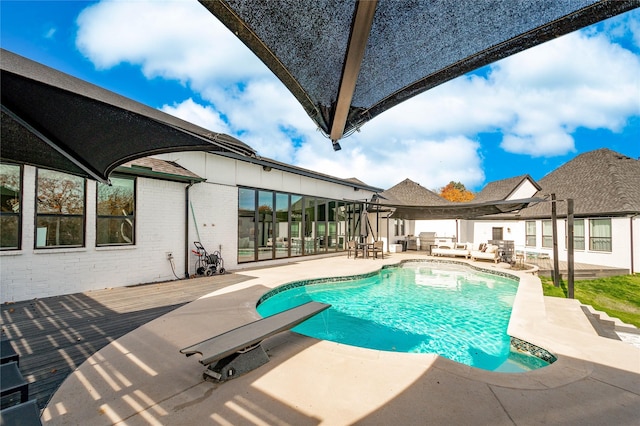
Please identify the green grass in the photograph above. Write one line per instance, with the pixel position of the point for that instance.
(618, 296)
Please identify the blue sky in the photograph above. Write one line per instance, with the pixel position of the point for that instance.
(528, 113)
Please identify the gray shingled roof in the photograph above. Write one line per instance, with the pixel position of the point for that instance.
(601, 182)
(501, 189)
(154, 167)
(410, 193)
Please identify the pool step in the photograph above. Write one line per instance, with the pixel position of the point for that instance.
(607, 326)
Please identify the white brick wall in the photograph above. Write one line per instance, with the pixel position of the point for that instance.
(160, 212)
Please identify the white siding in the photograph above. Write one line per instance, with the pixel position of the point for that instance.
(526, 189)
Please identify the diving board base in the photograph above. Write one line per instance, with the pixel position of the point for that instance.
(236, 364)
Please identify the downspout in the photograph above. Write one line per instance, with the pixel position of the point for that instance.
(632, 248)
(186, 229)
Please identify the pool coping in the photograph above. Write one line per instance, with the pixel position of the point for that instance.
(142, 378)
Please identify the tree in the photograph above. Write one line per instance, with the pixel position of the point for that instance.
(456, 192)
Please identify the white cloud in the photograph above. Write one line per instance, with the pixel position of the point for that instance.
(432, 163)
(176, 39)
(536, 99)
(202, 115)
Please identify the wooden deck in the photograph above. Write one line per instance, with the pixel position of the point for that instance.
(55, 335)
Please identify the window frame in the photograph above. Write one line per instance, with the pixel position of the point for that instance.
(592, 237)
(547, 239)
(528, 236)
(129, 218)
(18, 214)
(576, 237)
(38, 215)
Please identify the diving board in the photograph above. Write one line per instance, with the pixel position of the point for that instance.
(239, 350)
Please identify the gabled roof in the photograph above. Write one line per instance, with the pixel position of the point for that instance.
(601, 182)
(410, 193)
(502, 189)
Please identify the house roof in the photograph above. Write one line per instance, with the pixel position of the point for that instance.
(409, 200)
(56, 121)
(502, 189)
(348, 61)
(601, 182)
(157, 168)
(411, 193)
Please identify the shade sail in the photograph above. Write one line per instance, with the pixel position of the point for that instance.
(453, 210)
(53, 120)
(346, 61)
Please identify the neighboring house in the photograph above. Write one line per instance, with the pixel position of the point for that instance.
(490, 227)
(410, 193)
(69, 234)
(605, 188)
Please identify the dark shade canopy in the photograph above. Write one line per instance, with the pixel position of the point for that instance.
(454, 210)
(56, 121)
(348, 61)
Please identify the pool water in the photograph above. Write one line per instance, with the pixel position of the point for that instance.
(450, 310)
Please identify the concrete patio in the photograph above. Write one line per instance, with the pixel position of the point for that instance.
(141, 378)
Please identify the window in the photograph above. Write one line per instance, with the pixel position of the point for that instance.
(530, 231)
(10, 206)
(396, 227)
(600, 234)
(497, 234)
(246, 225)
(547, 233)
(60, 210)
(402, 227)
(265, 225)
(115, 220)
(278, 225)
(578, 234)
(281, 231)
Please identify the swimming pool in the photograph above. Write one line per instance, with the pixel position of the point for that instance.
(449, 309)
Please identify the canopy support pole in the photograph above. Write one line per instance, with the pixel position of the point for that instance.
(362, 22)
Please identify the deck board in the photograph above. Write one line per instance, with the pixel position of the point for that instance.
(54, 335)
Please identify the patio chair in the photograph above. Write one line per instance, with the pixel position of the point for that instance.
(353, 246)
(378, 247)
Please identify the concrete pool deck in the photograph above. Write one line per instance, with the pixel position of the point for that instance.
(142, 379)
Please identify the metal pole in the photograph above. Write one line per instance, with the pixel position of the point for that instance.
(570, 249)
(554, 227)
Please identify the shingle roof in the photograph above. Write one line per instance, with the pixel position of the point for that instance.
(149, 166)
(411, 193)
(601, 182)
(501, 189)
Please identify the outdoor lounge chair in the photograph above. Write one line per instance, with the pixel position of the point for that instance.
(239, 350)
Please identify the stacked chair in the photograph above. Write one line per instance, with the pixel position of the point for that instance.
(16, 408)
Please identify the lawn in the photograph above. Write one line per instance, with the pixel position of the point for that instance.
(617, 296)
